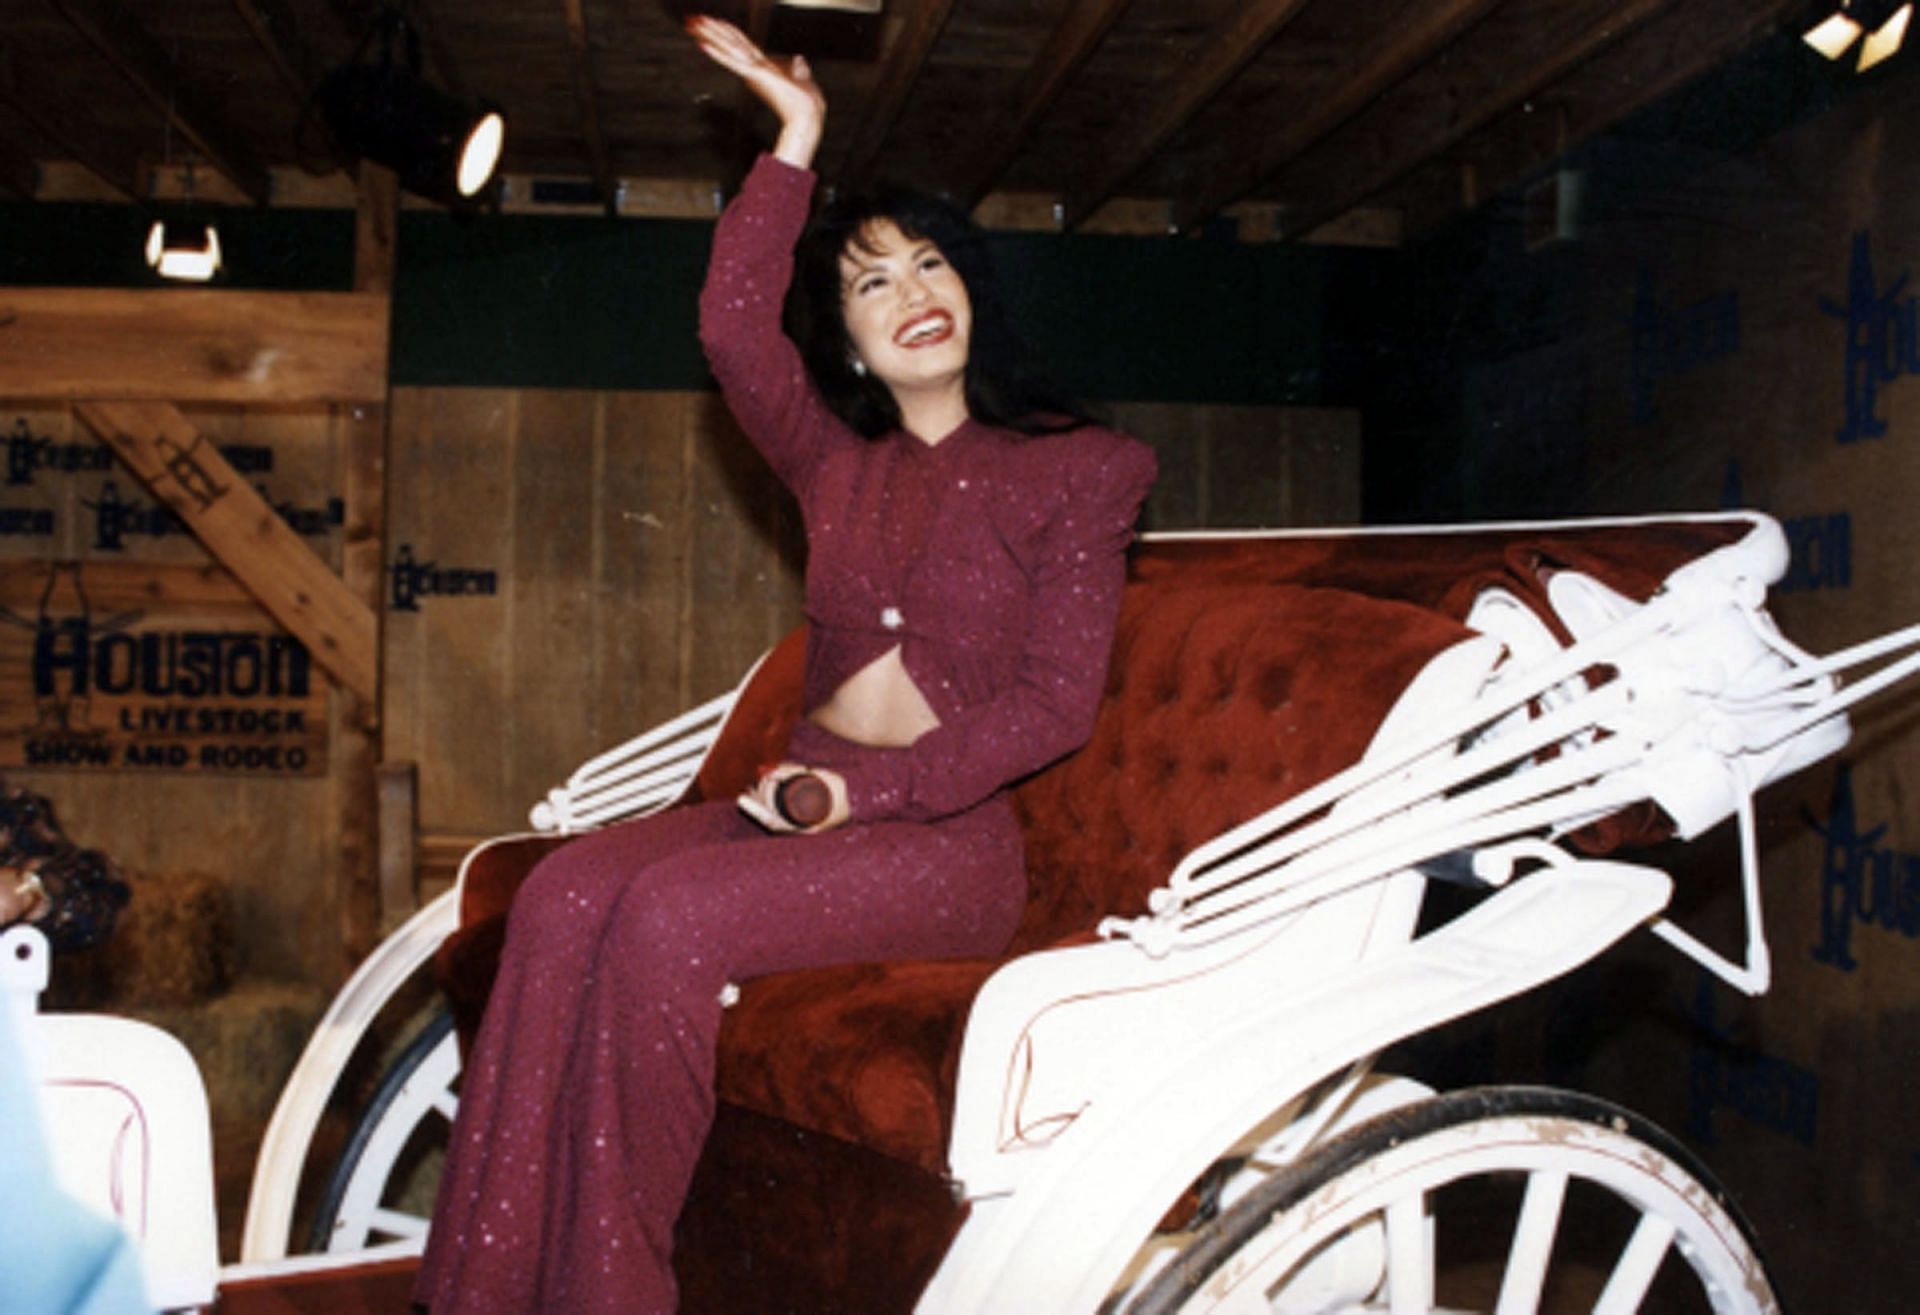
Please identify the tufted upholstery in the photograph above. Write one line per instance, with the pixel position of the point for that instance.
(1243, 671)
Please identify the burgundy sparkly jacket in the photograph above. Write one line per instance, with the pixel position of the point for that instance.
(994, 560)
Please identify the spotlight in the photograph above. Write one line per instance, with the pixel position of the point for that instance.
(1884, 22)
(179, 249)
(441, 147)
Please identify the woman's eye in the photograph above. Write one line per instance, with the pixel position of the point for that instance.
(867, 285)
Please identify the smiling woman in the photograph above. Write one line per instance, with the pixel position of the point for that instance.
(966, 535)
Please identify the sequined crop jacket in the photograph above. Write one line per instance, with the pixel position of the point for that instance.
(993, 560)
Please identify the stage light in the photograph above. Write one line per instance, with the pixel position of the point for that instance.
(179, 249)
(1885, 39)
(1884, 22)
(441, 147)
(1832, 35)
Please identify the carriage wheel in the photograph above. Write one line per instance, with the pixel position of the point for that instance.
(1513, 1200)
(377, 1192)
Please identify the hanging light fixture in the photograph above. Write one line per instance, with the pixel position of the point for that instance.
(180, 249)
(441, 147)
(1884, 23)
(184, 245)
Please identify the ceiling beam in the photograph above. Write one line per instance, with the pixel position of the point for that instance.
(149, 68)
(278, 36)
(1342, 194)
(912, 40)
(586, 95)
(38, 101)
(741, 145)
(1068, 45)
(1262, 153)
(1231, 49)
(1658, 59)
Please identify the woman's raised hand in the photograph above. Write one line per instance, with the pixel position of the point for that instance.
(787, 86)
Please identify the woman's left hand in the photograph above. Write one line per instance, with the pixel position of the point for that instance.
(761, 805)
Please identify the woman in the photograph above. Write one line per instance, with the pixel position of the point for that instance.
(962, 584)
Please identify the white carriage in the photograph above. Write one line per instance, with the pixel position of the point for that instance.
(1178, 1109)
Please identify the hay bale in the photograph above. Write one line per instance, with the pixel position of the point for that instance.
(172, 945)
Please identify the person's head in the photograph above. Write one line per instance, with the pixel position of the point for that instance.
(895, 289)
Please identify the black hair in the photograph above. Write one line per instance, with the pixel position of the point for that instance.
(1002, 387)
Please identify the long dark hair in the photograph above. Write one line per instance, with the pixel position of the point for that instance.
(1002, 387)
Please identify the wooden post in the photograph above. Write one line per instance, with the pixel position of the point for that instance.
(356, 746)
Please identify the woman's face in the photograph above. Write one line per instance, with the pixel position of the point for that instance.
(906, 309)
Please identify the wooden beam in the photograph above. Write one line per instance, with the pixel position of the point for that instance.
(586, 96)
(38, 100)
(1615, 21)
(187, 473)
(906, 52)
(277, 33)
(142, 61)
(361, 894)
(1655, 60)
(1267, 147)
(1073, 38)
(192, 345)
(1229, 50)
(741, 146)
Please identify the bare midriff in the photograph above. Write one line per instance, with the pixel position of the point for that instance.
(878, 705)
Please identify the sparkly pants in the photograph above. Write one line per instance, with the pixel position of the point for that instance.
(589, 1091)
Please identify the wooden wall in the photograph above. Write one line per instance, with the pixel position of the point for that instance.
(565, 569)
(65, 500)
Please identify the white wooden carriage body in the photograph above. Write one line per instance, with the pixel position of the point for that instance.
(1237, 1023)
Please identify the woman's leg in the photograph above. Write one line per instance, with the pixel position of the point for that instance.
(484, 1246)
(639, 1087)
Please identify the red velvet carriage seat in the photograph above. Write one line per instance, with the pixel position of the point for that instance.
(1244, 670)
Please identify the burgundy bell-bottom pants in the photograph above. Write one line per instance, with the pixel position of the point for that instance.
(589, 1091)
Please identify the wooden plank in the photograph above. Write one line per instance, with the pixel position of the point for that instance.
(548, 715)
(1341, 195)
(399, 822)
(1073, 37)
(166, 451)
(1225, 54)
(192, 345)
(645, 548)
(912, 40)
(169, 87)
(277, 33)
(1245, 164)
(735, 588)
(449, 676)
(586, 97)
(35, 97)
(369, 904)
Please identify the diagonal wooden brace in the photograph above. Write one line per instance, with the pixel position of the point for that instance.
(185, 471)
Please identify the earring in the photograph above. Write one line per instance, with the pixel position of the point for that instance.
(859, 367)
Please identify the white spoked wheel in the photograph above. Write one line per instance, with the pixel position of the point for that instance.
(1510, 1200)
(381, 1188)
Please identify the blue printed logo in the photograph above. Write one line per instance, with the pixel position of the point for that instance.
(1883, 341)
